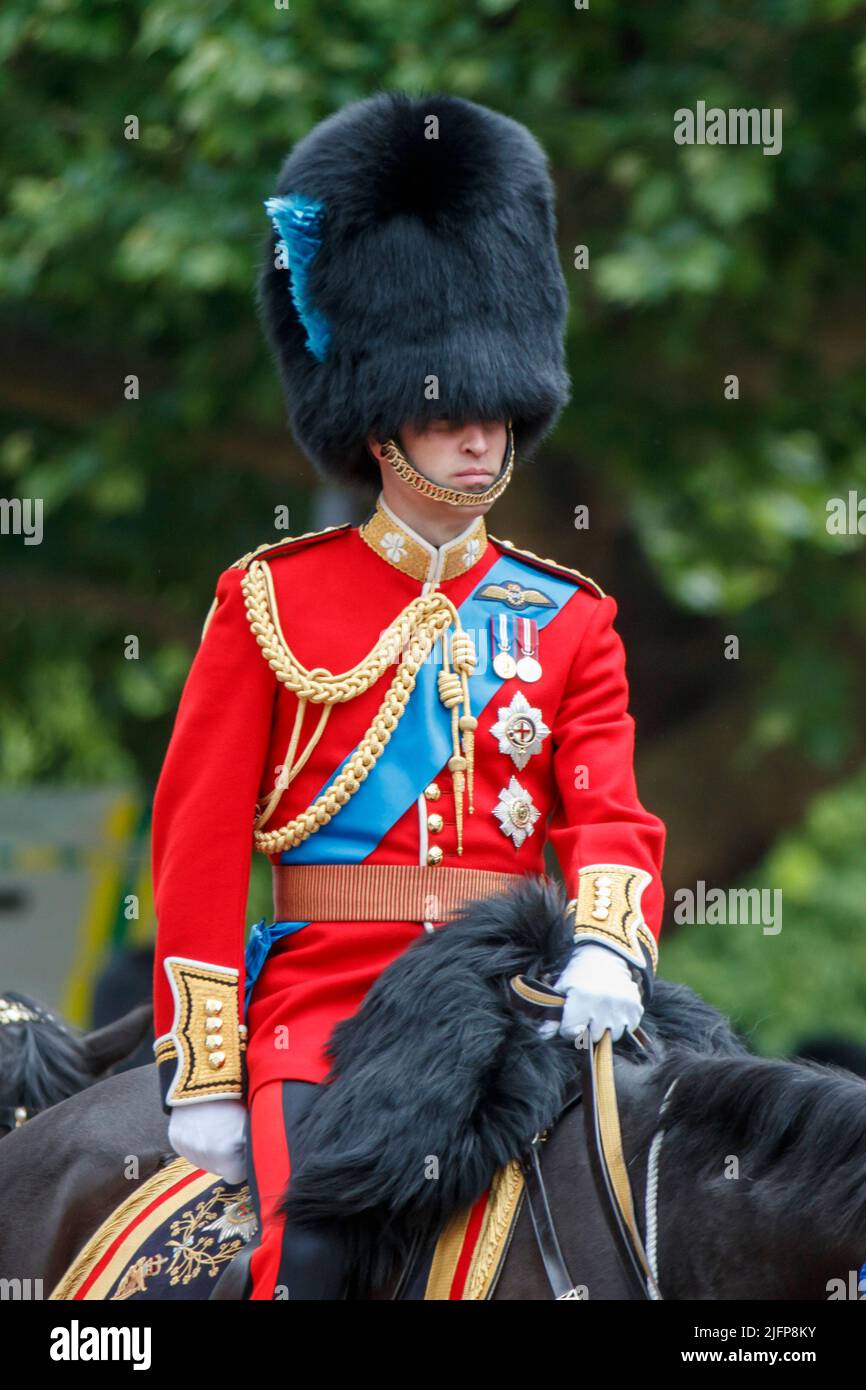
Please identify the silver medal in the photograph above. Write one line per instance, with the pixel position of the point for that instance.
(528, 666)
(528, 669)
(504, 665)
(500, 632)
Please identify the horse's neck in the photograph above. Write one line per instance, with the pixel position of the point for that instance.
(724, 1232)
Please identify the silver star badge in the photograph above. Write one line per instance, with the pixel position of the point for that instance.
(516, 812)
(520, 730)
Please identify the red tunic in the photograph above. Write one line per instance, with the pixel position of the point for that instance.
(336, 592)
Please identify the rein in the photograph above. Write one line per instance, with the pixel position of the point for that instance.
(596, 1086)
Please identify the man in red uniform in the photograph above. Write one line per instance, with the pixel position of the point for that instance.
(401, 713)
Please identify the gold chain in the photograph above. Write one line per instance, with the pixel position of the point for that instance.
(405, 470)
(417, 628)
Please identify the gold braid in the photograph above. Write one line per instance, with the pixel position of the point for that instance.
(416, 629)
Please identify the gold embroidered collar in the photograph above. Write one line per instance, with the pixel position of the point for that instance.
(403, 548)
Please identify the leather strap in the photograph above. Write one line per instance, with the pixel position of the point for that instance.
(555, 1268)
(604, 1145)
(607, 1160)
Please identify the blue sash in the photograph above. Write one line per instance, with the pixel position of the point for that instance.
(418, 749)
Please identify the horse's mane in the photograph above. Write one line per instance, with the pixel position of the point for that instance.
(42, 1061)
(797, 1127)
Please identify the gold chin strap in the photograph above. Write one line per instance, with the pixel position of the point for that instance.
(409, 473)
(414, 632)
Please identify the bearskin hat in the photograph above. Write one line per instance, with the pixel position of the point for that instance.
(411, 273)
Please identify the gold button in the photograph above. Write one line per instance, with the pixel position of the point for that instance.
(435, 822)
(213, 1006)
(435, 855)
(213, 1041)
(216, 1059)
(432, 792)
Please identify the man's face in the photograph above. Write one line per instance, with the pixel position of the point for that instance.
(463, 456)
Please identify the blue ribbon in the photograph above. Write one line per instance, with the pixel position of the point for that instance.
(259, 943)
(297, 221)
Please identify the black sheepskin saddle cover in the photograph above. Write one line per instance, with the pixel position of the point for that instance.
(437, 1080)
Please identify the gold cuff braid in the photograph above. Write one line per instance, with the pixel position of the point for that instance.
(207, 1038)
(607, 910)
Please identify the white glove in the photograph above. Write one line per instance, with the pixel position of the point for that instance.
(600, 993)
(211, 1134)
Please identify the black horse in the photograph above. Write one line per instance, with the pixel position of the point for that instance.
(753, 1177)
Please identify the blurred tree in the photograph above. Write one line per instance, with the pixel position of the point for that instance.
(137, 256)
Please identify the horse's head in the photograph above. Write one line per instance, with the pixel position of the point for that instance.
(43, 1060)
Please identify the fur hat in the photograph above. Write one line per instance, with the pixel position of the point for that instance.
(423, 277)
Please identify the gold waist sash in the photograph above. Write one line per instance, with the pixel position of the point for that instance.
(379, 892)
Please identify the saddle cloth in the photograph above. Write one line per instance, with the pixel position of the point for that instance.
(173, 1236)
(175, 1233)
(169, 1239)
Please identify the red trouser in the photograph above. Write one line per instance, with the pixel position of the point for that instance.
(290, 1262)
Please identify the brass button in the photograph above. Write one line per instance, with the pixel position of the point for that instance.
(216, 1059)
(435, 855)
(432, 792)
(435, 822)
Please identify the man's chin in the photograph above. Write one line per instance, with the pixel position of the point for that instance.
(460, 485)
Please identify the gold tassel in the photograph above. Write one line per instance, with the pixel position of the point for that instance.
(465, 661)
(454, 691)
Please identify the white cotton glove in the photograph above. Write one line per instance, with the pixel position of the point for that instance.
(212, 1135)
(600, 993)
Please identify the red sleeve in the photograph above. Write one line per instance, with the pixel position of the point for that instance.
(202, 837)
(610, 849)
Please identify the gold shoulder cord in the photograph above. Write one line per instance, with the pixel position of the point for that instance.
(414, 631)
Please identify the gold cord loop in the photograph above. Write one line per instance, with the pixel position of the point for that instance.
(413, 633)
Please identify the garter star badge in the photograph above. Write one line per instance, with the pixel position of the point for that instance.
(520, 730)
(516, 812)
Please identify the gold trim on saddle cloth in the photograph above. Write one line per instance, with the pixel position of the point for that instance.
(123, 1228)
(379, 892)
(503, 1204)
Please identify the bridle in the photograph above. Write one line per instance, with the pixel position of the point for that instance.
(594, 1084)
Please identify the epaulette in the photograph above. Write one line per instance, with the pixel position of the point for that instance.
(551, 566)
(278, 547)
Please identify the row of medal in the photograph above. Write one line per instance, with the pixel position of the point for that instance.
(520, 728)
(514, 641)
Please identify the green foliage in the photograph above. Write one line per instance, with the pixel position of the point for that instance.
(139, 255)
(810, 978)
